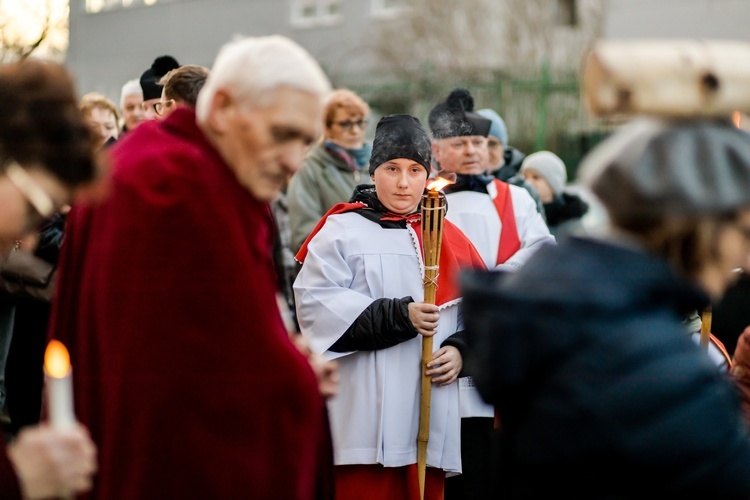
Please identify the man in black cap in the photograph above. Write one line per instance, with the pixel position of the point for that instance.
(501, 220)
(151, 88)
(359, 300)
(503, 223)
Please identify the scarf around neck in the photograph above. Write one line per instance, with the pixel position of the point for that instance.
(357, 159)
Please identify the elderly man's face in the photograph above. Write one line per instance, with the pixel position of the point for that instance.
(462, 155)
(132, 112)
(265, 145)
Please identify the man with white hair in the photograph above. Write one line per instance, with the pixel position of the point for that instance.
(131, 99)
(184, 371)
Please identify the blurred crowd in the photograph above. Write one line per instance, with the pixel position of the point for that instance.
(235, 260)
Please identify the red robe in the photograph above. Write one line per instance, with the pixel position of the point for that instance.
(10, 489)
(182, 368)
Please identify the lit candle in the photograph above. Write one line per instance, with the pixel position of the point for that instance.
(440, 182)
(59, 384)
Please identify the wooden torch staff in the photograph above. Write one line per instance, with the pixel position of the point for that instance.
(706, 327)
(433, 215)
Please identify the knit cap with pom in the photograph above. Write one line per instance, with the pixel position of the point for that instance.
(455, 117)
(160, 67)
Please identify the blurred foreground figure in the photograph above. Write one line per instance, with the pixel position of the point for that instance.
(45, 154)
(582, 351)
(189, 382)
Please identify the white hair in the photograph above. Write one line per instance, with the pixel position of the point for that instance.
(131, 87)
(251, 68)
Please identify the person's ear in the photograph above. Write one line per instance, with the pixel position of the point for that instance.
(327, 130)
(221, 111)
(435, 149)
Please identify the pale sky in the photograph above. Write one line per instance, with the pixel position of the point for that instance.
(22, 20)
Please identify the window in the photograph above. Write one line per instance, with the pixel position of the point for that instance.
(95, 6)
(388, 9)
(567, 13)
(311, 13)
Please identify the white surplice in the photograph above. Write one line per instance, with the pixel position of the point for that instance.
(374, 418)
(476, 215)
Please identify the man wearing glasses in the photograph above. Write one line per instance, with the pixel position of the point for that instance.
(333, 167)
(151, 88)
(181, 87)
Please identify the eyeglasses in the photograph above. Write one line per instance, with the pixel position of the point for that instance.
(160, 106)
(39, 199)
(348, 124)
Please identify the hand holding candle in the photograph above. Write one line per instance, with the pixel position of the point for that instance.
(59, 385)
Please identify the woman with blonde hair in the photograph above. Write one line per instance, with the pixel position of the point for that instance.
(101, 116)
(333, 168)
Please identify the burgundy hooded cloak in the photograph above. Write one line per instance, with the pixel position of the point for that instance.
(182, 368)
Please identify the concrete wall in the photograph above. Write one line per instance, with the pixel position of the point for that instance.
(720, 19)
(108, 48)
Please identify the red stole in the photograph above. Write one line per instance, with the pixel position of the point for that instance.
(509, 241)
(456, 252)
(338, 208)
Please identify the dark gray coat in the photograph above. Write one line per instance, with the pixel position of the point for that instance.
(600, 392)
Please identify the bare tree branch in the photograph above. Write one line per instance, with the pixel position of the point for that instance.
(17, 42)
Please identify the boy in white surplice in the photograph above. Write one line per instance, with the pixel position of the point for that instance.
(360, 300)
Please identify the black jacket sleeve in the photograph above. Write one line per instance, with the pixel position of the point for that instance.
(458, 340)
(383, 324)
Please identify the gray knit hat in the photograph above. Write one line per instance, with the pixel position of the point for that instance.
(656, 167)
(550, 166)
(497, 127)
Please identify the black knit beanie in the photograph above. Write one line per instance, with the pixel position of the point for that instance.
(456, 117)
(160, 67)
(400, 136)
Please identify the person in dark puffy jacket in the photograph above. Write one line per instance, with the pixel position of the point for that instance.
(505, 160)
(564, 210)
(599, 391)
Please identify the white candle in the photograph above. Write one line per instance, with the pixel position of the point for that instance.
(59, 385)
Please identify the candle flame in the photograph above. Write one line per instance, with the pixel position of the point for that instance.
(438, 184)
(56, 359)
(737, 118)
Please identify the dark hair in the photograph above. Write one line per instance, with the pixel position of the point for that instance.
(40, 123)
(184, 83)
